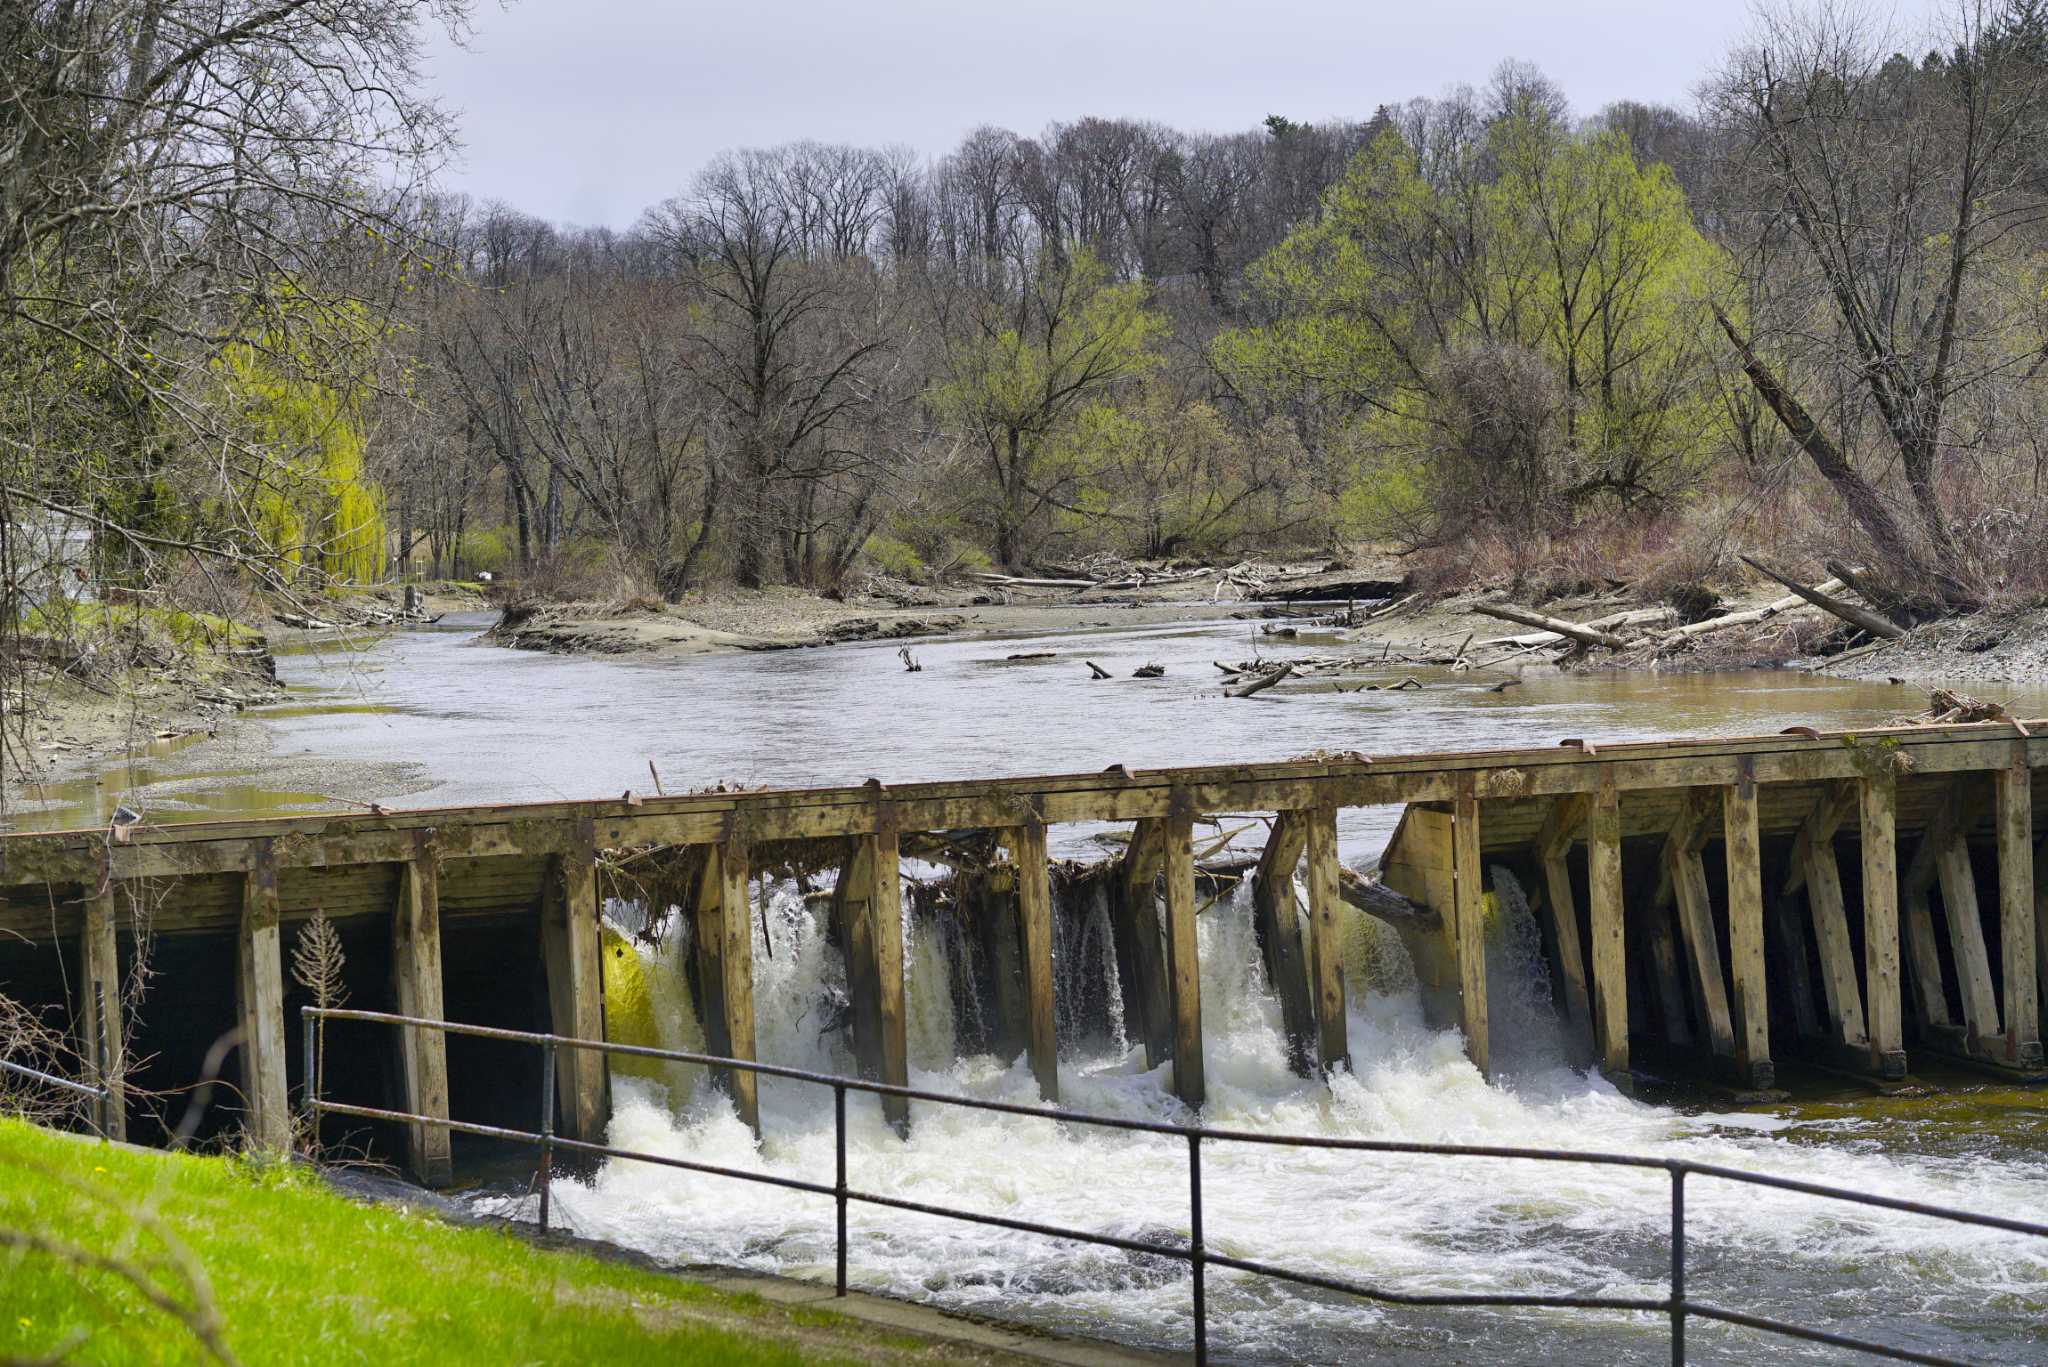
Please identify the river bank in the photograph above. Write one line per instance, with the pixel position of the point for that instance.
(1754, 626)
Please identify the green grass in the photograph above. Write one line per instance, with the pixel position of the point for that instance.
(192, 632)
(298, 1274)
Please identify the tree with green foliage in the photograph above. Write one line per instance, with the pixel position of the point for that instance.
(1021, 366)
(1529, 237)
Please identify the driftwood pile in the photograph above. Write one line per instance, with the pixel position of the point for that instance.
(1658, 631)
(1946, 707)
(1247, 579)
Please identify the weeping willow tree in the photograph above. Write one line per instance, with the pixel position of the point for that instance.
(305, 486)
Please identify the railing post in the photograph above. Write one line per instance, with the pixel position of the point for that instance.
(106, 1060)
(1677, 1265)
(839, 1182)
(547, 1128)
(310, 1097)
(1195, 1258)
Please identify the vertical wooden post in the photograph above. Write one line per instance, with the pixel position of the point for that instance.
(734, 933)
(1742, 852)
(1966, 940)
(1034, 924)
(885, 906)
(868, 904)
(1566, 815)
(570, 944)
(260, 992)
(1326, 940)
(1610, 962)
(1183, 960)
(416, 980)
(1140, 953)
(1276, 920)
(1469, 890)
(2016, 909)
(100, 1042)
(722, 931)
(1878, 803)
(2041, 916)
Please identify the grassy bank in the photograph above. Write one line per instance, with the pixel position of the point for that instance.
(294, 1273)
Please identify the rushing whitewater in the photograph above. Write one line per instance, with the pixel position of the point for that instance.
(1414, 1223)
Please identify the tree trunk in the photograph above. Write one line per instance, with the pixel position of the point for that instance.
(1865, 504)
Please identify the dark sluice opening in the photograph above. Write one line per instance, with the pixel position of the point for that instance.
(360, 1065)
(492, 974)
(43, 981)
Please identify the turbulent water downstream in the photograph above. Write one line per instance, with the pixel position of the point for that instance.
(446, 721)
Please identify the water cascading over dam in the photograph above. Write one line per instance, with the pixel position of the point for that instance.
(1713, 907)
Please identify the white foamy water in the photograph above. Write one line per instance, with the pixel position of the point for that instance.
(1415, 1223)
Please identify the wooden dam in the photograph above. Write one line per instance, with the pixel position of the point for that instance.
(1849, 900)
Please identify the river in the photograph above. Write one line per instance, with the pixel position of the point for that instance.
(433, 717)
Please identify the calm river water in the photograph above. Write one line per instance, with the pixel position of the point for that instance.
(443, 720)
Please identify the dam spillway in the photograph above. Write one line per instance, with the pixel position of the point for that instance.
(1849, 898)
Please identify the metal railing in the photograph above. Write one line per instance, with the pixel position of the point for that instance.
(1676, 1305)
(103, 1094)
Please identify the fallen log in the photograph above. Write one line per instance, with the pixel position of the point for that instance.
(1874, 593)
(1010, 581)
(1635, 617)
(1848, 612)
(1376, 899)
(1577, 631)
(1095, 669)
(1748, 617)
(1260, 684)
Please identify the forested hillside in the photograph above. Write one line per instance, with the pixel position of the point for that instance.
(250, 344)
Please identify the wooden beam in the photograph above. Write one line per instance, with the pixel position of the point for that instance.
(1658, 918)
(1276, 924)
(1610, 960)
(988, 900)
(1742, 853)
(869, 899)
(328, 839)
(1786, 926)
(1326, 940)
(570, 950)
(100, 1039)
(1878, 807)
(1684, 879)
(1469, 925)
(1966, 942)
(734, 931)
(1034, 922)
(1140, 952)
(1567, 815)
(1819, 828)
(2015, 808)
(2041, 916)
(1702, 950)
(1837, 957)
(1923, 959)
(1183, 960)
(416, 982)
(722, 942)
(259, 985)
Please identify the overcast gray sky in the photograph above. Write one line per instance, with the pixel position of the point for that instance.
(588, 111)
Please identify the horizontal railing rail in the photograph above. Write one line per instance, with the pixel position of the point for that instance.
(1677, 1305)
(102, 1093)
